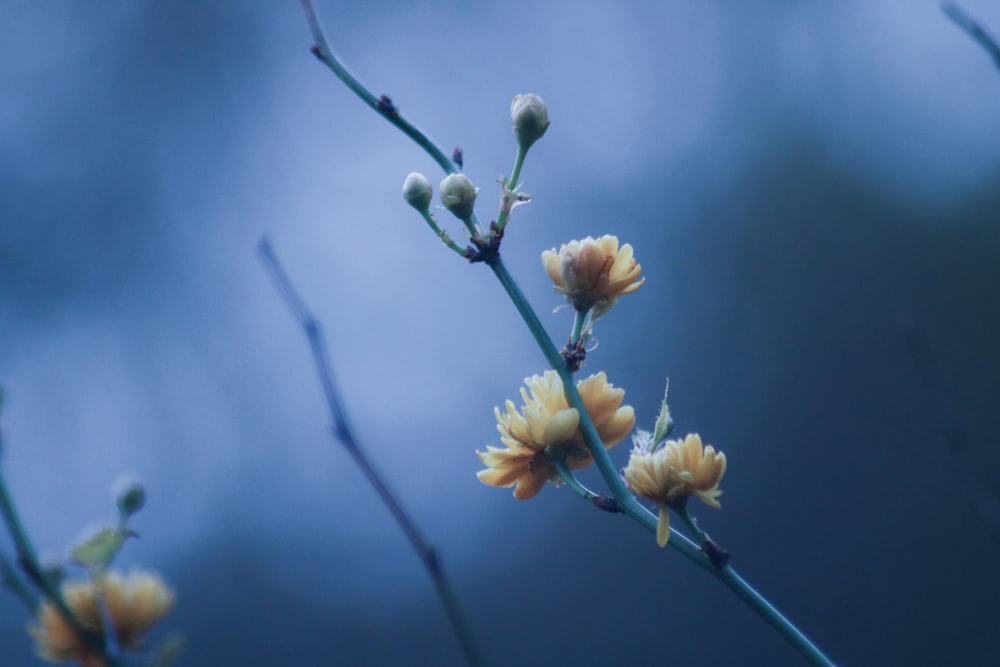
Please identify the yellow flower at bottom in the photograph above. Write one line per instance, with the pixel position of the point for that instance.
(546, 420)
(134, 602)
(672, 473)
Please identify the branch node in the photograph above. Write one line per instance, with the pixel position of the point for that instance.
(485, 249)
(385, 105)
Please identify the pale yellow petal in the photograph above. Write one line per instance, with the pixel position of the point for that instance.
(663, 527)
(550, 260)
(530, 484)
(617, 428)
(561, 426)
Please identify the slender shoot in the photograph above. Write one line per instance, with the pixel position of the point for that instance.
(345, 434)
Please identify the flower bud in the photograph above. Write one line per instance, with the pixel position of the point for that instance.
(530, 118)
(130, 496)
(417, 192)
(458, 195)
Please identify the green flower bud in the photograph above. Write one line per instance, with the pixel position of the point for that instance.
(131, 496)
(458, 195)
(417, 192)
(530, 118)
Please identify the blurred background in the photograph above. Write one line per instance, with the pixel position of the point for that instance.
(803, 184)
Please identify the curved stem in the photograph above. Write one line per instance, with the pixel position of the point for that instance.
(107, 623)
(343, 432)
(382, 106)
(441, 234)
(681, 508)
(571, 481)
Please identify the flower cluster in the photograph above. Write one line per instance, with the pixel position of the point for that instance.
(134, 602)
(547, 427)
(542, 440)
(673, 472)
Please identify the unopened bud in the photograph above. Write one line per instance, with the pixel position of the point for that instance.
(131, 496)
(530, 118)
(458, 195)
(417, 192)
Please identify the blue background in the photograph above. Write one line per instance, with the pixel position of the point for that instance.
(799, 180)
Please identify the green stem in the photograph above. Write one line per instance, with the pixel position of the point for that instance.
(571, 481)
(515, 174)
(441, 234)
(681, 507)
(321, 49)
(107, 623)
(13, 581)
(579, 317)
(472, 225)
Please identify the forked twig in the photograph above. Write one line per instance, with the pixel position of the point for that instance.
(343, 432)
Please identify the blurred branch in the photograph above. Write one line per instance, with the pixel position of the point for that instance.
(27, 558)
(13, 582)
(974, 28)
(343, 432)
(984, 502)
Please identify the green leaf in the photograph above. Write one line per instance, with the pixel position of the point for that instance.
(99, 549)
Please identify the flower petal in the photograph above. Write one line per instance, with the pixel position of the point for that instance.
(663, 527)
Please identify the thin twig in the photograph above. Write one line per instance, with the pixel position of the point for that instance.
(382, 105)
(974, 28)
(13, 582)
(343, 432)
(980, 497)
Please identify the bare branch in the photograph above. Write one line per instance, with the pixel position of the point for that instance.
(343, 432)
(976, 30)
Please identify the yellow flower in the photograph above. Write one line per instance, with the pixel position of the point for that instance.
(546, 420)
(673, 472)
(593, 273)
(134, 603)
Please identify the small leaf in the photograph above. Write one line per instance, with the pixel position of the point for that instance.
(664, 422)
(99, 549)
